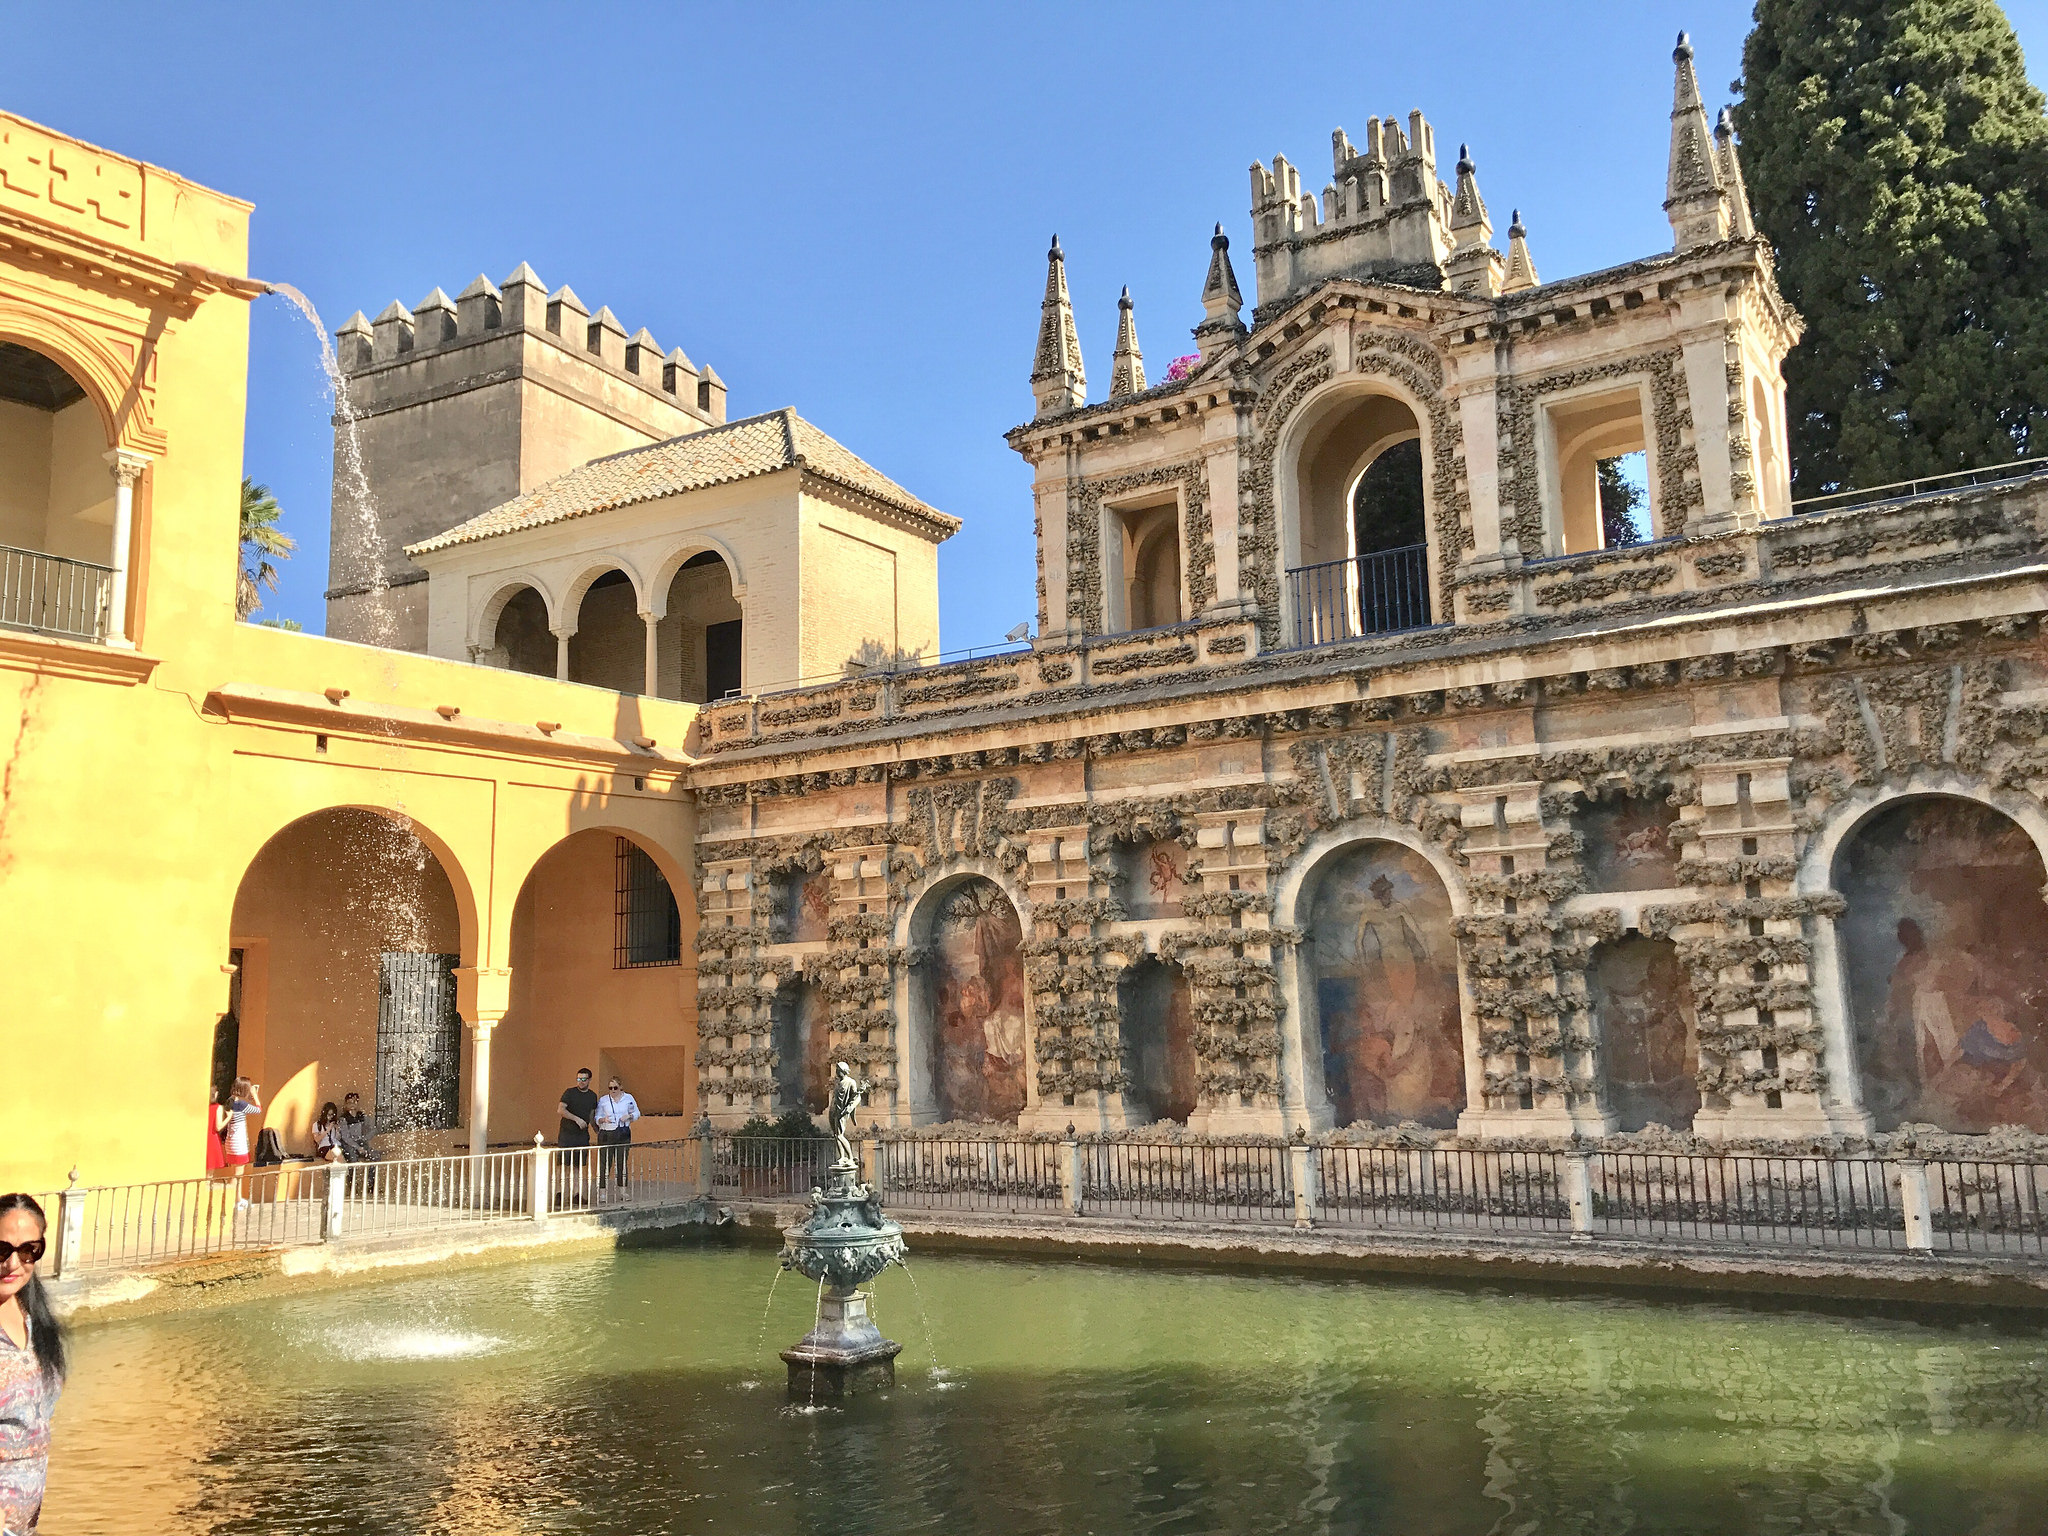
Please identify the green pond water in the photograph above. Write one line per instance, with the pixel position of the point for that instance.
(635, 1393)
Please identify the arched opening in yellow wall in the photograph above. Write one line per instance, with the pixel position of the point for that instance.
(349, 932)
(598, 981)
(57, 500)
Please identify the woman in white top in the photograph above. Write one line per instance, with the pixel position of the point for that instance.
(616, 1112)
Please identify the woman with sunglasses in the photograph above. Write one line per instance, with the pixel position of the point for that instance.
(31, 1365)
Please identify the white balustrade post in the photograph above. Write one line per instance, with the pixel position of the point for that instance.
(1301, 1170)
(1578, 1193)
(704, 1155)
(70, 1229)
(1916, 1204)
(1070, 1174)
(128, 468)
(538, 1194)
(331, 1223)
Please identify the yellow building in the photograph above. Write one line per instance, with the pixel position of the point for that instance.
(213, 833)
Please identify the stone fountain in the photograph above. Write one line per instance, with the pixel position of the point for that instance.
(843, 1242)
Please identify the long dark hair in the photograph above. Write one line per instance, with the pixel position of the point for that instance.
(45, 1333)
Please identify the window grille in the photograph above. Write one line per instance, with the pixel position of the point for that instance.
(649, 926)
(419, 1042)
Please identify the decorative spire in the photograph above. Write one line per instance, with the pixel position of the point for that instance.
(1469, 222)
(1127, 368)
(1058, 381)
(1693, 196)
(1521, 267)
(1740, 224)
(1221, 300)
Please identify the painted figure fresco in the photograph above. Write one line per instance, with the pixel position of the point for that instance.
(800, 1020)
(1628, 843)
(1386, 968)
(1155, 877)
(805, 907)
(1944, 942)
(977, 996)
(1648, 1032)
(1158, 1025)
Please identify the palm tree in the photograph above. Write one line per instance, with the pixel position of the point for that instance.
(262, 539)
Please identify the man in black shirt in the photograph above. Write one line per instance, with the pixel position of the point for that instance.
(578, 1108)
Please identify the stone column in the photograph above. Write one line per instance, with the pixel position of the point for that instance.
(562, 638)
(652, 621)
(480, 1031)
(128, 468)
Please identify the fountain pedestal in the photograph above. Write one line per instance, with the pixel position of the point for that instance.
(843, 1242)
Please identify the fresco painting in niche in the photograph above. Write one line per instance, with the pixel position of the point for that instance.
(1155, 877)
(1943, 940)
(805, 909)
(977, 991)
(1648, 1032)
(1386, 968)
(1628, 843)
(1158, 1027)
(800, 1020)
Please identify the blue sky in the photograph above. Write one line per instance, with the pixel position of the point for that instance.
(841, 208)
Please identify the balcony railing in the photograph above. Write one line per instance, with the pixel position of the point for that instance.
(1379, 594)
(1926, 485)
(53, 595)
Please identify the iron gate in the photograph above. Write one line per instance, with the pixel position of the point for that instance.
(419, 1042)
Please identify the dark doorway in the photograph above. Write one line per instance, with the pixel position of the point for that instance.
(227, 1034)
(721, 659)
(419, 1042)
(1387, 506)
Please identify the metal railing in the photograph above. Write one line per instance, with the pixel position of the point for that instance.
(54, 595)
(1379, 594)
(1734, 1200)
(1926, 485)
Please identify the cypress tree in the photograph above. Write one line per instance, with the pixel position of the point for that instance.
(1897, 158)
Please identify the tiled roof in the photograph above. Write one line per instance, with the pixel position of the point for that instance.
(739, 450)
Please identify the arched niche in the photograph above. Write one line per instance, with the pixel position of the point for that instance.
(800, 1030)
(1649, 1032)
(1156, 1022)
(348, 927)
(1940, 948)
(1380, 971)
(596, 952)
(968, 1051)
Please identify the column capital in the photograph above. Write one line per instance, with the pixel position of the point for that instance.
(127, 464)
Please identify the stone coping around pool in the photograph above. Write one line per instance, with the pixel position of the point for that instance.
(1697, 1269)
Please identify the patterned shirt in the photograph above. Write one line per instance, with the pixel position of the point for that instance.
(25, 1404)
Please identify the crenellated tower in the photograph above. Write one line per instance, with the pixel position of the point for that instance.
(463, 404)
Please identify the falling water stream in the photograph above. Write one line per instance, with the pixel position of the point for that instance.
(605, 1396)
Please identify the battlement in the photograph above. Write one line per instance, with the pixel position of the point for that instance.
(486, 311)
(1383, 213)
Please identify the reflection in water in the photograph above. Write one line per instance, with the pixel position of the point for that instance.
(606, 1395)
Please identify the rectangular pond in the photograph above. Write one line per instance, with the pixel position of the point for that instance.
(640, 1392)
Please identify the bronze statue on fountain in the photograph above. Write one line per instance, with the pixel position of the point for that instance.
(844, 1242)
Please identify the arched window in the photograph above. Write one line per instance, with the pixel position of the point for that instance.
(701, 638)
(1358, 549)
(522, 641)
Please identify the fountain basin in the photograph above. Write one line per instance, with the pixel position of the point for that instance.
(844, 1242)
